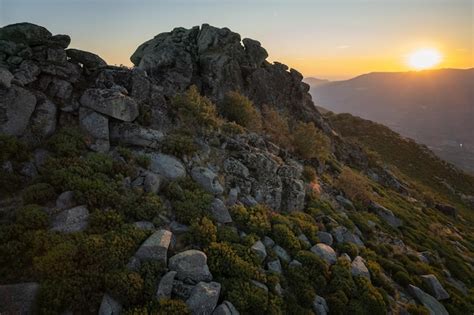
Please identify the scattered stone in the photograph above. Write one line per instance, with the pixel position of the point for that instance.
(295, 263)
(190, 265)
(260, 285)
(151, 183)
(346, 257)
(282, 253)
(207, 179)
(268, 242)
(320, 306)
(166, 166)
(226, 308)
(325, 252)
(232, 197)
(155, 247)
(304, 240)
(279, 289)
(275, 266)
(144, 225)
(16, 107)
(325, 238)
(71, 220)
(433, 306)
(259, 249)
(18, 298)
(165, 287)
(178, 228)
(220, 212)
(65, 200)
(97, 128)
(6, 78)
(436, 288)
(203, 298)
(385, 214)
(111, 103)
(109, 306)
(358, 268)
(346, 203)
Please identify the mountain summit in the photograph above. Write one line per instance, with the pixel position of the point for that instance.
(204, 181)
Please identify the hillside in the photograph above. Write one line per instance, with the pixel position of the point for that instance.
(204, 181)
(433, 107)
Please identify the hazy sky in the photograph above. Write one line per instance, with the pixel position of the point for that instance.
(328, 38)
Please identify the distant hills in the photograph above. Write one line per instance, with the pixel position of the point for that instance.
(433, 107)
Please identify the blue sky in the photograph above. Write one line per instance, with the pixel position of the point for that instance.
(333, 39)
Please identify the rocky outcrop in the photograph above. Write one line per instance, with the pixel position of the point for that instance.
(110, 102)
(16, 107)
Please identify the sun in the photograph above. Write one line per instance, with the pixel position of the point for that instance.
(424, 58)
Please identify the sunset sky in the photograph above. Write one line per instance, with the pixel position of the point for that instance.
(326, 39)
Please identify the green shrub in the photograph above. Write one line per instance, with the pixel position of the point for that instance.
(32, 217)
(246, 296)
(300, 286)
(304, 223)
(252, 219)
(179, 143)
(309, 173)
(239, 109)
(143, 160)
(276, 127)
(203, 232)
(355, 186)
(231, 128)
(40, 193)
(368, 299)
(337, 302)
(190, 202)
(341, 278)
(224, 261)
(101, 221)
(195, 111)
(227, 234)
(315, 269)
(172, 307)
(349, 248)
(402, 278)
(151, 272)
(12, 149)
(414, 309)
(310, 142)
(67, 142)
(127, 286)
(286, 238)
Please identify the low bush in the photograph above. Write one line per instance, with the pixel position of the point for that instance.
(309, 173)
(402, 278)
(337, 302)
(252, 219)
(341, 278)
(367, 299)
(32, 217)
(414, 309)
(180, 143)
(40, 193)
(237, 108)
(101, 221)
(203, 232)
(67, 142)
(310, 142)
(276, 127)
(286, 238)
(246, 296)
(354, 186)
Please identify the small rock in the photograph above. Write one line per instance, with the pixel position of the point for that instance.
(433, 306)
(203, 298)
(232, 197)
(178, 228)
(325, 252)
(18, 298)
(155, 247)
(320, 306)
(109, 306)
(295, 264)
(134, 134)
(65, 200)
(220, 212)
(259, 249)
(151, 182)
(207, 179)
(268, 242)
(144, 225)
(165, 287)
(346, 257)
(71, 220)
(6, 78)
(282, 253)
(260, 285)
(97, 128)
(436, 288)
(325, 238)
(304, 240)
(358, 268)
(275, 266)
(385, 214)
(190, 264)
(346, 203)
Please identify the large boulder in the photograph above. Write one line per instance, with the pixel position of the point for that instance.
(190, 265)
(359, 269)
(385, 214)
(203, 298)
(18, 298)
(16, 106)
(25, 33)
(71, 220)
(433, 306)
(89, 61)
(134, 134)
(110, 102)
(226, 308)
(325, 238)
(325, 252)
(65, 200)
(320, 307)
(43, 120)
(436, 288)
(219, 211)
(96, 126)
(167, 166)
(259, 249)
(155, 247)
(207, 179)
(109, 306)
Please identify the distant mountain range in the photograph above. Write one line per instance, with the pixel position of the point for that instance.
(433, 107)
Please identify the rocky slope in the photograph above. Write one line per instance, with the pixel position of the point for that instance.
(203, 181)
